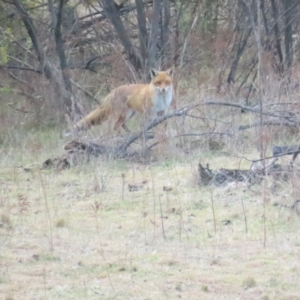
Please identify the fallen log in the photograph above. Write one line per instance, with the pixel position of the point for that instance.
(222, 176)
(82, 151)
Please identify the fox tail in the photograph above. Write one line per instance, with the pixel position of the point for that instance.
(95, 117)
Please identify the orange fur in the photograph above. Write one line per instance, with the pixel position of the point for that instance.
(123, 102)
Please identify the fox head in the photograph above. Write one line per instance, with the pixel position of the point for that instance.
(162, 80)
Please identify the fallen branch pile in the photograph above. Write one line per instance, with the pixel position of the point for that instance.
(79, 150)
(222, 176)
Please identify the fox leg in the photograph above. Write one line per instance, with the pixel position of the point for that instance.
(121, 121)
(124, 126)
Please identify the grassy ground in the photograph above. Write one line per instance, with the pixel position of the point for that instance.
(81, 234)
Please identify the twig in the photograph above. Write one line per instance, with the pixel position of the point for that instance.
(245, 216)
(206, 118)
(21, 81)
(18, 109)
(187, 40)
(275, 156)
(85, 91)
(90, 23)
(266, 123)
(21, 68)
(189, 134)
(22, 93)
(244, 107)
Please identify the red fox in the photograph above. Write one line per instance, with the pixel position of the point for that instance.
(123, 102)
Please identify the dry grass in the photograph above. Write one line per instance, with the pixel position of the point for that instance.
(81, 234)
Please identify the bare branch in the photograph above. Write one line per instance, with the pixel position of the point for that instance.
(189, 134)
(187, 40)
(154, 123)
(85, 91)
(48, 69)
(21, 68)
(268, 123)
(244, 107)
(88, 24)
(29, 27)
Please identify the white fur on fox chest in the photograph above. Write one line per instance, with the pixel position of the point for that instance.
(161, 100)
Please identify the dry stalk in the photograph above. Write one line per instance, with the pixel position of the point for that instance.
(154, 205)
(48, 216)
(213, 210)
(245, 216)
(161, 217)
(123, 185)
(96, 207)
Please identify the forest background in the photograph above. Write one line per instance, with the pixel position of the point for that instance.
(146, 228)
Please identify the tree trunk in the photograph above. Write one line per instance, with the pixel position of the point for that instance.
(287, 4)
(143, 34)
(277, 35)
(60, 48)
(114, 16)
(165, 33)
(47, 68)
(243, 34)
(154, 30)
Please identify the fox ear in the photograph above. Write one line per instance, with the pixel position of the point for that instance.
(153, 72)
(170, 71)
